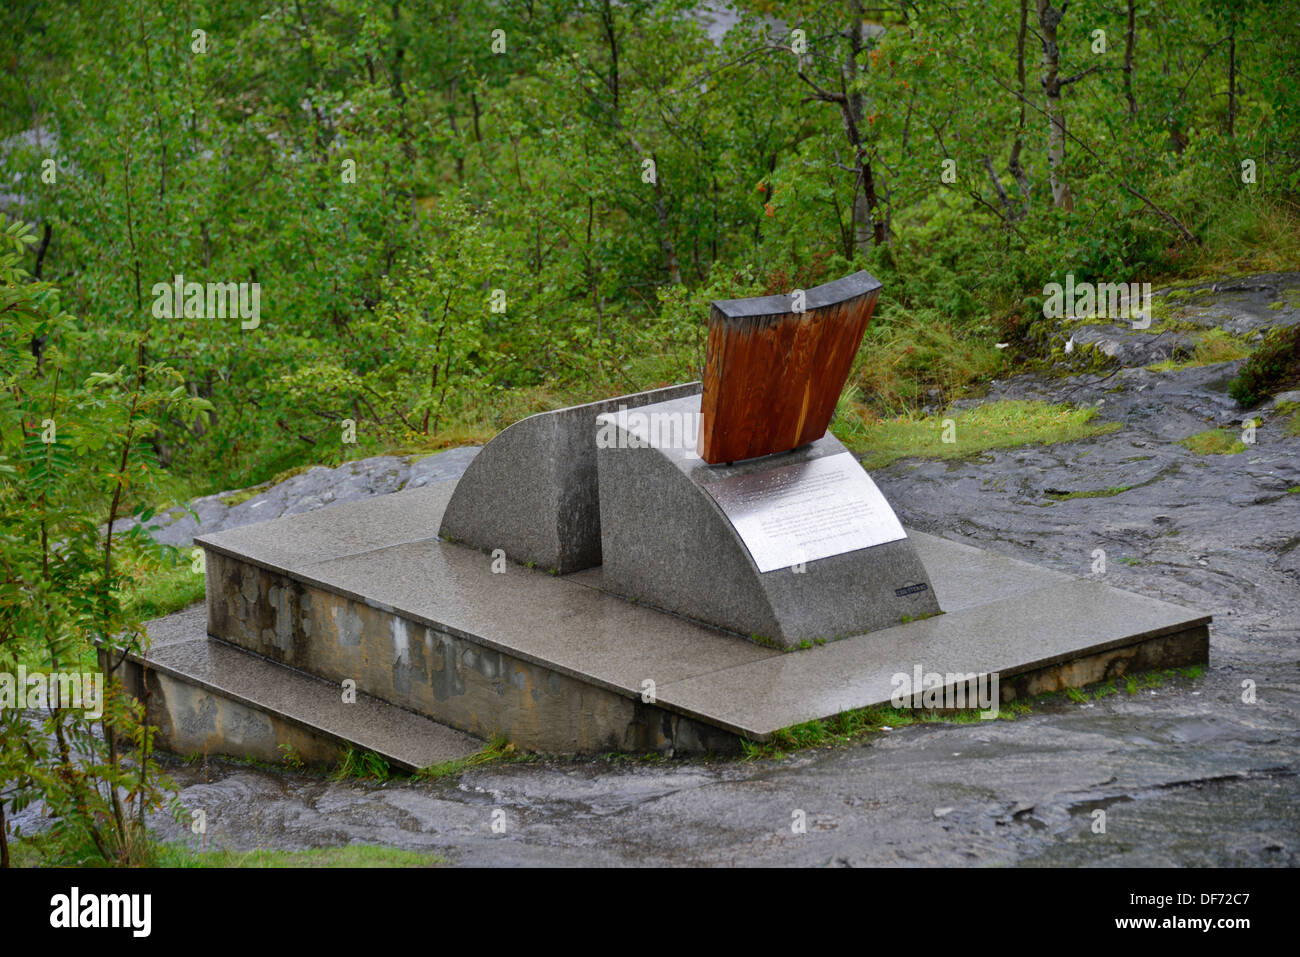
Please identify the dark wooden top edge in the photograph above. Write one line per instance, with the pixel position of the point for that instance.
(827, 294)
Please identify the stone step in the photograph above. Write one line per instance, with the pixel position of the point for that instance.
(555, 663)
(207, 696)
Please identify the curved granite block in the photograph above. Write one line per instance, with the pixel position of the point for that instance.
(667, 542)
(532, 490)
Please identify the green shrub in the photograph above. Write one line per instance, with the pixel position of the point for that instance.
(73, 450)
(1274, 367)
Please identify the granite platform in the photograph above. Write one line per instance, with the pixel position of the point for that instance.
(426, 628)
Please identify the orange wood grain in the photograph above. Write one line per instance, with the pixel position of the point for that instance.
(771, 382)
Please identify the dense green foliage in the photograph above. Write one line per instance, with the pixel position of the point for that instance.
(71, 449)
(1273, 367)
(229, 156)
(456, 212)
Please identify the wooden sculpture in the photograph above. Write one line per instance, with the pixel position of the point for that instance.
(775, 367)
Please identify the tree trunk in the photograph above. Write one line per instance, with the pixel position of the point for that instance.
(665, 233)
(1130, 43)
(37, 343)
(1049, 18)
(611, 36)
(4, 836)
(868, 223)
(1232, 79)
(661, 216)
(455, 129)
(1014, 166)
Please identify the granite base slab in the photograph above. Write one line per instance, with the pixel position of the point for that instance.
(563, 665)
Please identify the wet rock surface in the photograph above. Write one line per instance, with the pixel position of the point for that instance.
(1132, 348)
(1243, 307)
(1188, 773)
(314, 488)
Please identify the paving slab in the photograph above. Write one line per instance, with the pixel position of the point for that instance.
(533, 615)
(294, 541)
(578, 631)
(180, 648)
(964, 576)
(1032, 632)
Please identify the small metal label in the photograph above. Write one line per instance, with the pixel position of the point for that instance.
(910, 589)
(800, 513)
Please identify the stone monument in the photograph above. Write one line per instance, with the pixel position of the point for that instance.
(670, 547)
(733, 507)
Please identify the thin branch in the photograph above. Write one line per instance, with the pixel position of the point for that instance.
(826, 96)
(1079, 76)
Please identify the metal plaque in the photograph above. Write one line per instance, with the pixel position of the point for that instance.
(800, 513)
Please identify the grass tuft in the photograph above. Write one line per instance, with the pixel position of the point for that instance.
(1293, 425)
(163, 583)
(498, 751)
(993, 425)
(850, 726)
(1215, 345)
(1094, 493)
(1274, 367)
(362, 764)
(1214, 442)
(908, 354)
(351, 855)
